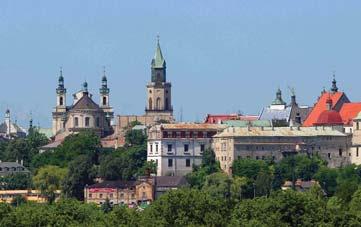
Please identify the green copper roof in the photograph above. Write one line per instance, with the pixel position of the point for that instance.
(158, 60)
(278, 100)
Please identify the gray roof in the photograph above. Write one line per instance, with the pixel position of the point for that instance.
(275, 114)
(279, 132)
(7, 168)
(171, 181)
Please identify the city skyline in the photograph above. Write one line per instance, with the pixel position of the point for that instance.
(301, 48)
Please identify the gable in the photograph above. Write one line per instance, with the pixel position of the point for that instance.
(338, 100)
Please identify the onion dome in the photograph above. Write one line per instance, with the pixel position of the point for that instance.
(85, 86)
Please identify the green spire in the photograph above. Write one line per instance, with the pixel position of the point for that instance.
(278, 100)
(158, 60)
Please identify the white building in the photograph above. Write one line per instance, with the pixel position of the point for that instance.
(9, 129)
(355, 151)
(175, 148)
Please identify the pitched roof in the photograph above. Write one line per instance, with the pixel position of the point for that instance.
(85, 103)
(276, 114)
(114, 184)
(349, 111)
(158, 60)
(279, 132)
(171, 181)
(240, 123)
(321, 106)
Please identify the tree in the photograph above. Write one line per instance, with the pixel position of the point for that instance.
(135, 137)
(327, 178)
(249, 168)
(209, 165)
(355, 204)
(80, 173)
(186, 207)
(124, 163)
(48, 180)
(106, 206)
(83, 143)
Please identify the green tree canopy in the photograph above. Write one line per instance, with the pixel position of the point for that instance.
(48, 179)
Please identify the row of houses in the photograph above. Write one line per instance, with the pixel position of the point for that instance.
(330, 129)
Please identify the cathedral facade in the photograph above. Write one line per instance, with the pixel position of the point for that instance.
(83, 113)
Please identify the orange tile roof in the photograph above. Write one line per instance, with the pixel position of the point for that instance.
(320, 106)
(349, 111)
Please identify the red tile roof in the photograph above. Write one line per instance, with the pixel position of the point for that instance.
(329, 117)
(349, 111)
(321, 106)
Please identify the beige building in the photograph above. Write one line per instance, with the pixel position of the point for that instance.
(175, 148)
(83, 113)
(7, 196)
(355, 151)
(275, 143)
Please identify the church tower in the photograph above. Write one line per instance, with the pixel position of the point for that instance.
(61, 92)
(159, 102)
(104, 99)
(59, 113)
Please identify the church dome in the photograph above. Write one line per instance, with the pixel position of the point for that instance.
(329, 117)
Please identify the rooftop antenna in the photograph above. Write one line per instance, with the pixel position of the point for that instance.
(292, 90)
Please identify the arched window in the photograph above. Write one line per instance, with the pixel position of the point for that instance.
(61, 101)
(104, 101)
(166, 104)
(76, 122)
(87, 121)
(158, 104)
(150, 103)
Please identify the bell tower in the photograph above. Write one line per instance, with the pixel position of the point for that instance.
(61, 91)
(159, 102)
(104, 99)
(59, 112)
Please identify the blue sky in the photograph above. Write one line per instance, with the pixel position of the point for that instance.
(222, 56)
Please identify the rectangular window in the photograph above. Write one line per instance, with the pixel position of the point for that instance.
(356, 151)
(170, 162)
(169, 147)
(188, 162)
(76, 122)
(156, 148)
(151, 148)
(183, 134)
(165, 134)
(100, 196)
(111, 195)
(90, 195)
(186, 147)
(329, 155)
(97, 122)
(87, 121)
(200, 135)
(340, 152)
(202, 147)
